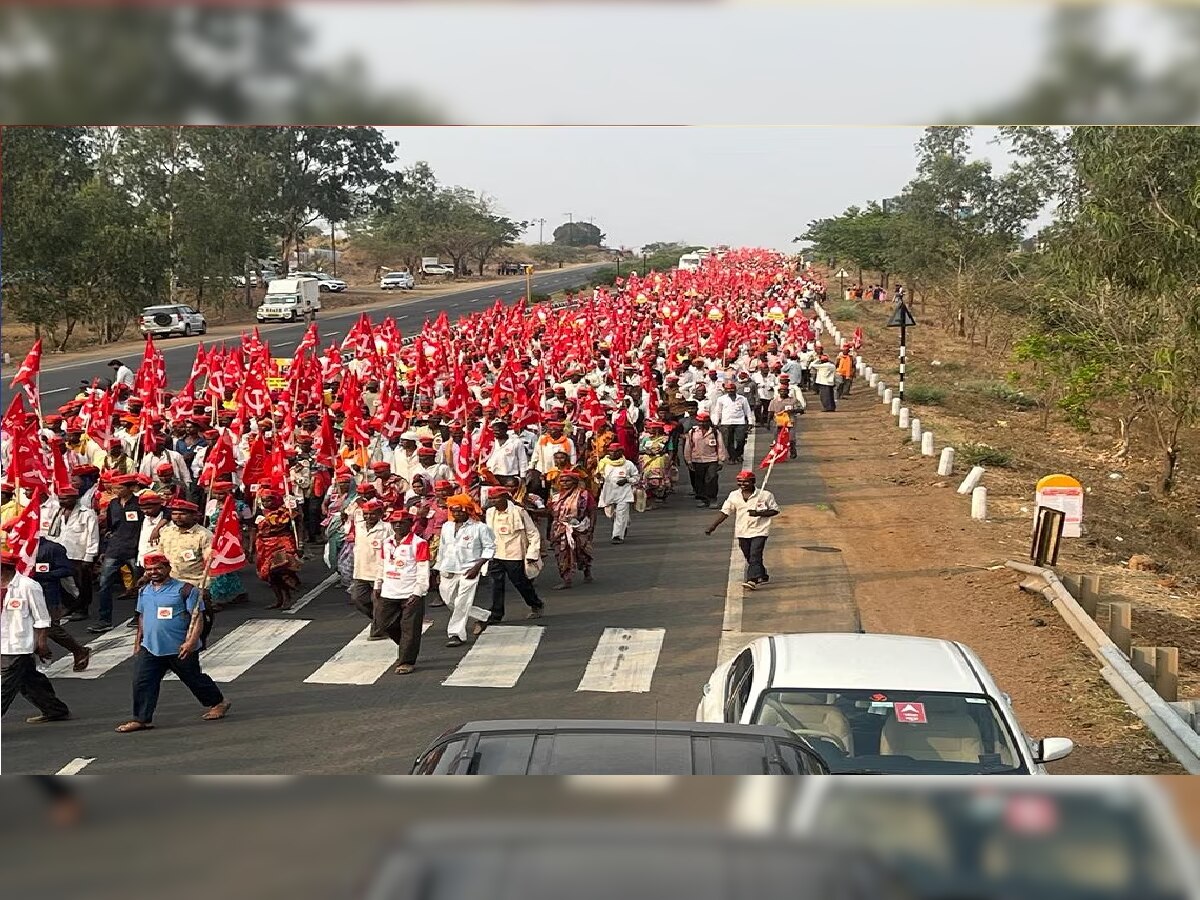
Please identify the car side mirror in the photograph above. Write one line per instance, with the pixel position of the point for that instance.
(1050, 749)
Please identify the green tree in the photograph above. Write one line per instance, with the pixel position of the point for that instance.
(578, 234)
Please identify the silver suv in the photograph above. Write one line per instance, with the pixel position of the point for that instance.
(164, 321)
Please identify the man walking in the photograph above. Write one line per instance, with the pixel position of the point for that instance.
(618, 476)
(703, 453)
(465, 547)
(845, 371)
(24, 625)
(77, 528)
(400, 590)
(120, 529)
(824, 375)
(168, 640)
(731, 413)
(50, 567)
(752, 511)
(517, 542)
(369, 535)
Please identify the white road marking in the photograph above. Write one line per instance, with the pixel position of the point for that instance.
(55, 391)
(311, 595)
(734, 592)
(497, 658)
(623, 661)
(282, 343)
(233, 654)
(359, 662)
(75, 766)
(108, 650)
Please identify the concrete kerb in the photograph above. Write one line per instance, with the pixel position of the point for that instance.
(1175, 734)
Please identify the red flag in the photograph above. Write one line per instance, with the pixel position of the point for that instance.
(780, 450)
(256, 464)
(14, 418)
(326, 444)
(218, 459)
(28, 465)
(28, 373)
(227, 553)
(254, 396)
(21, 533)
(461, 460)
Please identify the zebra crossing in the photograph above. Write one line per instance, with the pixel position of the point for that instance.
(623, 660)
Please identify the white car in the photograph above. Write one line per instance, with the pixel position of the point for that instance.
(1080, 837)
(397, 281)
(325, 281)
(175, 318)
(879, 704)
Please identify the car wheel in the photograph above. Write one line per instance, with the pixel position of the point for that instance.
(187, 330)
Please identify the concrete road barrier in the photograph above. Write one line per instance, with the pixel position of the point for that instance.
(972, 480)
(927, 444)
(979, 503)
(946, 462)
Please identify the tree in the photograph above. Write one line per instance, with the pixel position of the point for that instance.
(578, 234)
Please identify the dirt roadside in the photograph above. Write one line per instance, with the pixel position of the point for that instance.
(918, 564)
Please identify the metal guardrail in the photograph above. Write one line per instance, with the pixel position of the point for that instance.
(1172, 730)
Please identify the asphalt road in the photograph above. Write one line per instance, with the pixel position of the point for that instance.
(60, 382)
(663, 593)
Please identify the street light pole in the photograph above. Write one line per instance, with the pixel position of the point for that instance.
(540, 223)
(643, 265)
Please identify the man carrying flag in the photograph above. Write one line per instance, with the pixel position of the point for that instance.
(752, 511)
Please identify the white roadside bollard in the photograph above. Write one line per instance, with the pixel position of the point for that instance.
(927, 444)
(895, 406)
(887, 396)
(916, 431)
(979, 504)
(903, 416)
(946, 461)
(880, 387)
(972, 480)
(872, 379)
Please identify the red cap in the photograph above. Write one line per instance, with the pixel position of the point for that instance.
(163, 468)
(399, 515)
(183, 506)
(155, 558)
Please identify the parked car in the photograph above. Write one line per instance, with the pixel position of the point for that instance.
(175, 318)
(510, 268)
(397, 281)
(549, 858)
(289, 300)
(879, 704)
(615, 747)
(325, 282)
(1098, 837)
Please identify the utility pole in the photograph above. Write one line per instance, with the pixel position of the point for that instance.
(540, 224)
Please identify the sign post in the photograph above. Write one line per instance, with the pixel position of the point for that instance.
(902, 319)
(529, 285)
(841, 276)
(1064, 493)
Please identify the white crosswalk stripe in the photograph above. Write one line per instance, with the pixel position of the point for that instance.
(244, 646)
(623, 661)
(110, 649)
(497, 658)
(360, 662)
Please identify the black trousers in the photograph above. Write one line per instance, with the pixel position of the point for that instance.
(311, 511)
(401, 620)
(362, 596)
(21, 676)
(83, 581)
(752, 548)
(704, 477)
(503, 570)
(735, 440)
(148, 672)
(828, 403)
(760, 411)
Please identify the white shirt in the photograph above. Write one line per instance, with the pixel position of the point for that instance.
(144, 544)
(543, 454)
(738, 507)
(182, 473)
(733, 410)
(459, 550)
(516, 535)
(509, 458)
(824, 373)
(404, 571)
(78, 530)
(766, 384)
(368, 550)
(24, 610)
(611, 491)
(124, 376)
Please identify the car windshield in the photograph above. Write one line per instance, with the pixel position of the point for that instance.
(978, 842)
(395, 275)
(897, 732)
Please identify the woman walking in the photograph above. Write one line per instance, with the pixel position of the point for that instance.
(275, 555)
(227, 588)
(572, 526)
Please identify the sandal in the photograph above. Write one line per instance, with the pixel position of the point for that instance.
(564, 586)
(81, 661)
(404, 669)
(134, 725)
(218, 711)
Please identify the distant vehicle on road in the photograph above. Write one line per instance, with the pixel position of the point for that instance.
(510, 268)
(176, 318)
(290, 300)
(616, 747)
(325, 282)
(397, 281)
(879, 704)
(431, 266)
(689, 262)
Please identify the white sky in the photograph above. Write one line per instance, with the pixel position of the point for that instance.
(739, 186)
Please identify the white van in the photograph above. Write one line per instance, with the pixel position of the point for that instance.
(290, 300)
(689, 262)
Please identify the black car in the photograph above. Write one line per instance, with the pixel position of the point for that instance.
(616, 747)
(620, 860)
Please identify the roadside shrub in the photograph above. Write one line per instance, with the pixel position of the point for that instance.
(846, 311)
(1005, 393)
(925, 395)
(985, 455)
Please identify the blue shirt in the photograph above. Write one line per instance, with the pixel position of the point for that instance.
(166, 616)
